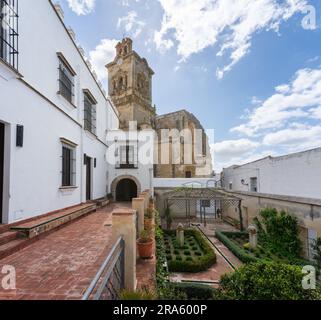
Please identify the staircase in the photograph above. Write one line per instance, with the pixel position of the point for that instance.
(10, 243)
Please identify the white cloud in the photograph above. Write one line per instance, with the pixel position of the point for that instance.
(196, 25)
(104, 53)
(290, 102)
(234, 148)
(300, 138)
(81, 7)
(131, 24)
(316, 113)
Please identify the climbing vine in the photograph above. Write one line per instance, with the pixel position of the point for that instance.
(280, 232)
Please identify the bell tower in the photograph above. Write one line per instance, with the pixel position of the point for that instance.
(130, 86)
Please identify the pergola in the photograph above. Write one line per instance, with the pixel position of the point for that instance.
(208, 202)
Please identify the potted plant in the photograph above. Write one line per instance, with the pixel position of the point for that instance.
(145, 245)
(168, 218)
(149, 219)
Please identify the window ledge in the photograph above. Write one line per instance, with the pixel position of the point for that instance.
(11, 68)
(70, 103)
(93, 135)
(68, 188)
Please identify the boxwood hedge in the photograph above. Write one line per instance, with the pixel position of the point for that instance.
(236, 250)
(203, 262)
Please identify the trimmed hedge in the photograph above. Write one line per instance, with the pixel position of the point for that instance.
(236, 250)
(196, 291)
(203, 262)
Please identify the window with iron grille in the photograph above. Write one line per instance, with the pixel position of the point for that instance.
(127, 157)
(66, 82)
(9, 32)
(89, 114)
(68, 166)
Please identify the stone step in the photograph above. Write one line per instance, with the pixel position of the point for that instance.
(7, 237)
(47, 223)
(12, 247)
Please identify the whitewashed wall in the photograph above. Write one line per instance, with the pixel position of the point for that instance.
(33, 175)
(292, 175)
(176, 183)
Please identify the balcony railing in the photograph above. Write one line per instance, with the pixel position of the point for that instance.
(126, 166)
(9, 32)
(109, 281)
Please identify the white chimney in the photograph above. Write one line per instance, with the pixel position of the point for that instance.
(59, 10)
(72, 33)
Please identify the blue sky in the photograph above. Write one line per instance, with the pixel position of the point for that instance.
(250, 70)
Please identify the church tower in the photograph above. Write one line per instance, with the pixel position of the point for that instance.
(130, 86)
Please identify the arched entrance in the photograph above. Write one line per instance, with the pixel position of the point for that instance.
(126, 190)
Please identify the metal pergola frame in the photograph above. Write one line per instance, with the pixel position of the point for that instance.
(202, 195)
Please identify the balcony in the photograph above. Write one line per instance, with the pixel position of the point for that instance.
(126, 166)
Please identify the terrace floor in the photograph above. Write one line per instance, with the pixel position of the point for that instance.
(62, 264)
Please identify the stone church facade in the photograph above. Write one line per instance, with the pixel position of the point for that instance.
(130, 89)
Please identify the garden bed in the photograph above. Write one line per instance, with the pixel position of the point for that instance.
(195, 256)
(237, 242)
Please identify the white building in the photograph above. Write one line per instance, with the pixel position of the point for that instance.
(296, 175)
(54, 117)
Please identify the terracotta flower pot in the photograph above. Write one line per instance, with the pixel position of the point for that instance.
(145, 250)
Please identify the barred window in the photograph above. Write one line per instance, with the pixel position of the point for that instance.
(68, 166)
(89, 112)
(66, 81)
(9, 32)
(127, 157)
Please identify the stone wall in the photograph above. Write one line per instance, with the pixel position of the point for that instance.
(307, 211)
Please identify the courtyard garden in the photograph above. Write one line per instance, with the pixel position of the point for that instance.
(195, 255)
(277, 252)
(278, 240)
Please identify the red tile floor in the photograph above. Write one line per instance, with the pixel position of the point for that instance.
(63, 264)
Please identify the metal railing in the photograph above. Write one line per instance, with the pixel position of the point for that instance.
(109, 281)
(9, 32)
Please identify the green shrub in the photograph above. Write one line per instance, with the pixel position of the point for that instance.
(187, 253)
(176, 251)
(196, 291)
(266, 281)
(202, 263)
(179, 258)
(139, 295)
(189, 259)
(240, 253)
(279, 231)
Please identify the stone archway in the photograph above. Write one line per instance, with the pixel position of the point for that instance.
(124, 188)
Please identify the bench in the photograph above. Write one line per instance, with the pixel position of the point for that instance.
(47, 223)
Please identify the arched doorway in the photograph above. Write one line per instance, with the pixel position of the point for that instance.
(126, 190)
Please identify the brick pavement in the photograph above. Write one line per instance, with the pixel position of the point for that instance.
(63, 264)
